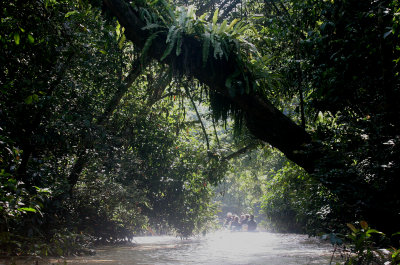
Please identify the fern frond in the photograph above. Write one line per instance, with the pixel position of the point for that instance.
(229, 28)
(225, 48)
(152, 3)
(121, 41)
(182, 16)
(170, 32)
(237, 28)
(145, 15)
(222, 27)
(179, 44)
(218, 50)
(169, 9)
(148, 43)
(191, 12)
(151, 26)
(167, 51)
(215, 17)
(206, 47)
(241, 29)
(171, 43)
(201, 18)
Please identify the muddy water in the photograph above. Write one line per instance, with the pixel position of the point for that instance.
(217, 248)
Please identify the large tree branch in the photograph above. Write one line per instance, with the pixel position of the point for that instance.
(263, 119)
(241, 151)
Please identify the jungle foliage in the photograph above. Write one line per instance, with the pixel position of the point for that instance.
(116, 116)
(92, 149)
(338, 67)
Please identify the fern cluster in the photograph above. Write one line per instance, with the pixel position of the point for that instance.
(222, 38)
(224, 41)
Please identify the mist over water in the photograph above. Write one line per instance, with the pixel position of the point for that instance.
(223, 247)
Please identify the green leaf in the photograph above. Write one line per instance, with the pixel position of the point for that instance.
(16, 38)
(232, 24)
(179, 44)
(118, 29)
(170, 33)
(226, 49)
(27, 209)
(148, 42)
(206, 47)
(153, 2)
(12, 181)
(222, 27)
(41, 190)
(29, 100)
(170, 44)
(218, 50)
(167, 51)
(168, 9)
(32, 98)
(31, 39)
(71, 13)
(201, 18)
(374, 231)
(182, 17)
(151, 26)
(121, 41)
(215, 16)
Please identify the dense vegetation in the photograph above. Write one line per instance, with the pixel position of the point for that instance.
(125, 117)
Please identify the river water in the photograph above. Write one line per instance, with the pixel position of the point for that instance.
(222, 247)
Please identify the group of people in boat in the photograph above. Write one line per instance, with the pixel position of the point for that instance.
(245, 222)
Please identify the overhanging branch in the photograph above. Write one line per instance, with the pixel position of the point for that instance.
(241, 151)
(263, 119)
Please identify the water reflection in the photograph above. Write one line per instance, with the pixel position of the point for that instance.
(217, 248)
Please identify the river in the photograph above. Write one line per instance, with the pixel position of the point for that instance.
(222, 247)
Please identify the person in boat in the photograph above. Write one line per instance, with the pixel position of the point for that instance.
(244, 219)
(236, 225)
(228, 219)
(251, 224)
